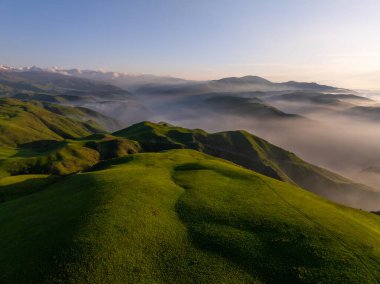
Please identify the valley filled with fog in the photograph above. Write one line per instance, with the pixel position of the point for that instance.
(338, 131)
(331, 127)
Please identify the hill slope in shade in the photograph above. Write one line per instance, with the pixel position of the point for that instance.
(24, 122)
(257, 154)
(65, 156)
(84, 115)
(182, 216)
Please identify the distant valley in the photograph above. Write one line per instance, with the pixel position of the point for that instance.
(293, 115)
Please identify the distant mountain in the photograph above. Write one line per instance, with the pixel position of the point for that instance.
(372, 169)
(243, 106)
(264, 83)
(122, 80)
(239, 84)
(319, 98)
(147, 82)
(371, 113)
(54, 83)
(169, 98)
(257, 154)
(311, 102)
(230, 104)
(47, 86)
(312, 87)
(243, 80)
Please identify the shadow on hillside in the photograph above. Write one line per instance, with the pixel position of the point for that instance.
(38, 148)
(25, 187)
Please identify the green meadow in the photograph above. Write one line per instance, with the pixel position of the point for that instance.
(181, 217)
(156, 203)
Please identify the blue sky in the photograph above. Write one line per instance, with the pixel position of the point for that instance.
(329, 41)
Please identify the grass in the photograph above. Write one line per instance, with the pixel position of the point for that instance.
(110, 146)
(24, 122)
(257, 154)
(74, 155)
(50, 157)
(161, 136)
(179, 217)
(65, 156)
(6, 152)
(13, 187)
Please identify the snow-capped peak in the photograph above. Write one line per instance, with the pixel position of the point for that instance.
(4, 68)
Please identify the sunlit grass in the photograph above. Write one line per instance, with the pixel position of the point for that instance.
(180, 217)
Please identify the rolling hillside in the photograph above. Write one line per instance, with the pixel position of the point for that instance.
(30, 129)
(180, 217)
(63, 157)
(78, 207)
(257, 154)
(24, 122)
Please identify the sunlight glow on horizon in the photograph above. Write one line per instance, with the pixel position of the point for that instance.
(331, 42)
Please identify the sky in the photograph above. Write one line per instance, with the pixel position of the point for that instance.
(328, 41)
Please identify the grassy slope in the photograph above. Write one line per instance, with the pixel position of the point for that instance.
(13, 187)
(181, 216)
(257, 154)
(84, 115)
(63, 157)
(49, 157)
(109, 146)
(23, 122)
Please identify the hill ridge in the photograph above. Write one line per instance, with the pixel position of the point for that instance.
(256, 154)
(182, 215)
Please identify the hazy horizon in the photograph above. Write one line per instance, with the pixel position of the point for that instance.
(329, 42)
(276, 79)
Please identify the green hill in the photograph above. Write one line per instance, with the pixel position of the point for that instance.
(181, 217)
(24, 122)
(85, 115)
(257, 154)
(48, 157)
(31, 128)
(65, 156)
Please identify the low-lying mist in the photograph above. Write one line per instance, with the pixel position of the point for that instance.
(329, 136)
(339, 133)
